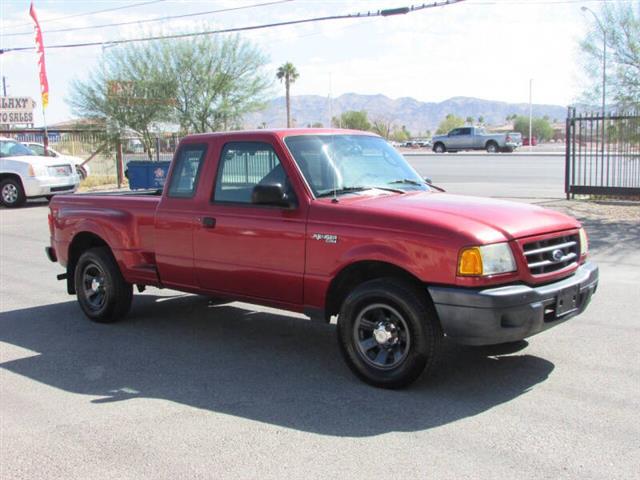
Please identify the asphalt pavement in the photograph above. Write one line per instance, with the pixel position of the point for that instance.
(498, 175)
(184, 389)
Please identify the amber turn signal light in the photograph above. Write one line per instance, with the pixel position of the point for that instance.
(470, 262)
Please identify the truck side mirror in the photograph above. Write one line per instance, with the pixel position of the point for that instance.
(270, 194)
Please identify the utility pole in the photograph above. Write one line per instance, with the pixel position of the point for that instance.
(530, 113)
(330, 103)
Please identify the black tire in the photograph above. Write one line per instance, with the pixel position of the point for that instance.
(107, 298)
(81, 173)
(439, 148)
(492, 147)
(404, 315)
(11, 193)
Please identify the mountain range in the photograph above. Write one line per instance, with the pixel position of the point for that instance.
(417, 116)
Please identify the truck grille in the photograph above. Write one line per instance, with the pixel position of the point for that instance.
(552, 254)
(60, 171)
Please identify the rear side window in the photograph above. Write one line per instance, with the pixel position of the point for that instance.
(243, 165)
(186, 171)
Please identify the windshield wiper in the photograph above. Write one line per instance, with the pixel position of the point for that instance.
(339, 191)
(406, 181)
(342, 190)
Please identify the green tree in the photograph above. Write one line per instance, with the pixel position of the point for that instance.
(203, 84)
(450, 122)
(219, 80)
(480, 120)
(469, 120)
(355, 120)
(540, 127)
(382, 127)
(126, 90)
(289, 75)
(621, 22)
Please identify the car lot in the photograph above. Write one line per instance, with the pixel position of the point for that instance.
(187, 389)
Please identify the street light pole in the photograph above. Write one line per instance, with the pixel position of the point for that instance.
(604, 55)
(604, 75)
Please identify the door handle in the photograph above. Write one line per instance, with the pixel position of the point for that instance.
(208, 222)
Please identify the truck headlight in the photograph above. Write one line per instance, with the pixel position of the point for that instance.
(37, 170)
(486, 260)
(584, 242)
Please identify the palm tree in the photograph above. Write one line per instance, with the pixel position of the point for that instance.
(289, 73)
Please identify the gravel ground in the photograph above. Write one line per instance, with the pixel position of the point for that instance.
(601, 210)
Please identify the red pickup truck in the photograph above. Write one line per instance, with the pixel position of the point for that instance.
(329, 223)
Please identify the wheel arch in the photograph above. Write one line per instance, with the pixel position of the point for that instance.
(356, 273)
(435, 146)
(81, 242)
(9, 175)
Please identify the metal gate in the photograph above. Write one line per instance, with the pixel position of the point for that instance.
(602, 154)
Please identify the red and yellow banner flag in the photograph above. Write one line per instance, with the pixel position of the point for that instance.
(44, 84)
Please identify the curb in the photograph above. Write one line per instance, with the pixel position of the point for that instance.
(513, 154)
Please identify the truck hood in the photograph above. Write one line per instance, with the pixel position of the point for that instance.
(39, 160)
(487, 220)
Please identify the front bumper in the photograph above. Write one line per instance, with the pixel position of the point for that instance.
(44, 186)
(505, 314)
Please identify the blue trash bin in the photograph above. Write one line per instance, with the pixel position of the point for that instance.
(146, 174)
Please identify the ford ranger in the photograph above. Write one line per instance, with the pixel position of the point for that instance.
(329, 223)
(476, 138)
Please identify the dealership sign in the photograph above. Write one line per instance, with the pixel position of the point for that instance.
(16, 110)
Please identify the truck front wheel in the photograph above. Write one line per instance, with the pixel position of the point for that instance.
(439, 148)
(11, 193)
(103, 294)
(389, 333)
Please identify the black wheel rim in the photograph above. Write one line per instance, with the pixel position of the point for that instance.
(93, 285)
(382, 337)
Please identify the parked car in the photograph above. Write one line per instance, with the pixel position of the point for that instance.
(25, 175)
(38, 149)
(476, 138)
(329, 223)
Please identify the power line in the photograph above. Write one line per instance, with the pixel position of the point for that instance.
(86, 14)
(158, 19)
(378, 13)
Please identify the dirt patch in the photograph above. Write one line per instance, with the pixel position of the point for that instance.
(614, 211)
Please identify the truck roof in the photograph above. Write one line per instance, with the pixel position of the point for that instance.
(286, 132)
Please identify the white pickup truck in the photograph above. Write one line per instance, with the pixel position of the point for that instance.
(25, 175)
(476, 138)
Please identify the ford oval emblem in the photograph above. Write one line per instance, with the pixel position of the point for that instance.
(557, 255)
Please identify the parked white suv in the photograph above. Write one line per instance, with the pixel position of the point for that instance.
(38, 149)
(26, 175)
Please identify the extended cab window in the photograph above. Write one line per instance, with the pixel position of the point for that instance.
(243, 165)
(184, 178)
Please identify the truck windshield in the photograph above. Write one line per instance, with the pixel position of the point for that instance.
(10, 148)
(351, 163)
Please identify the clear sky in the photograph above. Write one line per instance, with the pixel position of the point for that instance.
(479, 48)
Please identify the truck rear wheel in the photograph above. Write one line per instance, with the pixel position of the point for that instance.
(102, 292)
(492, 147)
(388, 333)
